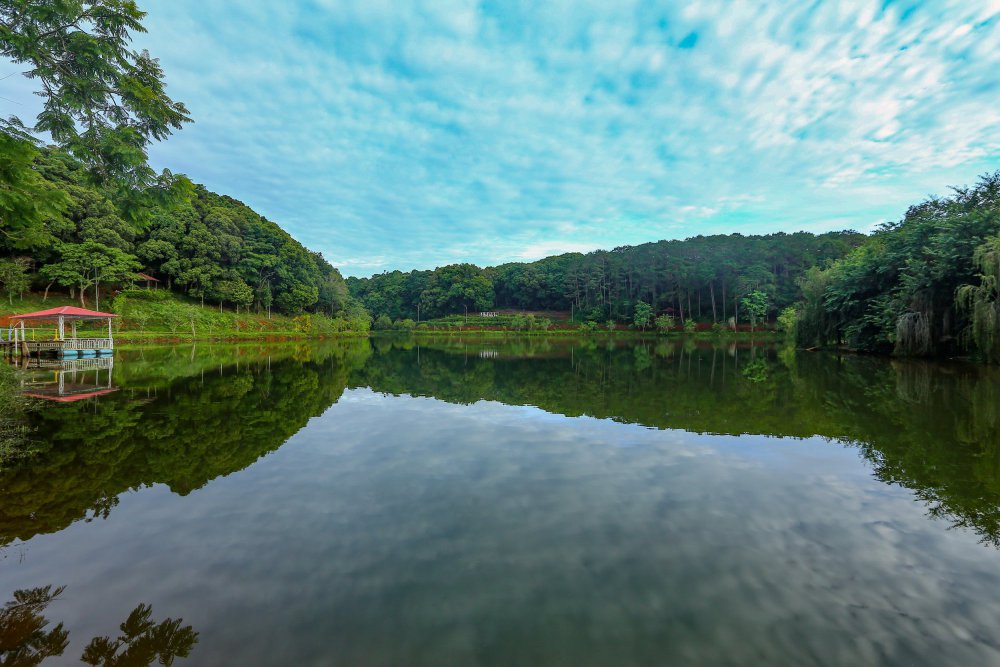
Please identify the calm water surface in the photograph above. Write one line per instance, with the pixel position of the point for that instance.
(526, 503)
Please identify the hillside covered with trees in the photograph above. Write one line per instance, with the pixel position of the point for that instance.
(704, 278)
(89, 211)
(206, 245)
(928, 285)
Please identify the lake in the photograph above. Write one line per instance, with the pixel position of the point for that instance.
(529, 502)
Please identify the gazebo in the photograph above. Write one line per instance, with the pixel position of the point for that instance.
(17, 338)
(150, 280)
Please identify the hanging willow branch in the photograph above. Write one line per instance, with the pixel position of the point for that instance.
(913, 335)
(982, 301)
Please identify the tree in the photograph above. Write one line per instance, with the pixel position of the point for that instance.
(23, 638)
(14, 276)
(84, 264)
(643, 313)
(755, 305)
(102, 100)
(27, 200)
(236, 292)
(983, 300)
(664, 323)
(787, 320)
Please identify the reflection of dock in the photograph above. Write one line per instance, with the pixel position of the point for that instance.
(72, 379)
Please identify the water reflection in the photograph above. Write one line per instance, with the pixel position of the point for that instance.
(67, 380)
(396, 529)
(187, 416)
(26, 638)
(932, 427)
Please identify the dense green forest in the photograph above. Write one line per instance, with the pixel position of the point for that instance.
(89, 211)
(926, 285)
(209, 246)
(703, 278)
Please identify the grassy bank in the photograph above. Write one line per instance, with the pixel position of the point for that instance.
(148, 316)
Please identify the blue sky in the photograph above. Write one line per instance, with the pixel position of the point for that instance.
(391, 134)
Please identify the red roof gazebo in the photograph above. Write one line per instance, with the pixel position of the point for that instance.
(17, 339)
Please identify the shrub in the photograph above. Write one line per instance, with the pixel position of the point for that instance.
(664, 323)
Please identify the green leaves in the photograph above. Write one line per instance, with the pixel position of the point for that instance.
(27, 201)
(900, 290)
(643, 313)
(102, 100)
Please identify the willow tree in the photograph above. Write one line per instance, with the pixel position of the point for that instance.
(982, 301)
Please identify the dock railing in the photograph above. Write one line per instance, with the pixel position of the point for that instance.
(88, 344)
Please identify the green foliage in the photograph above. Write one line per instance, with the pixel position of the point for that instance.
(664, 323)
(82, 265)
(787, 321)
(24, 639)
(14, 276)
(14, 409)
(27, 200)
(382, 323)
(210, 246)
(642, 313)
(456, 288)
(698, 278)
(982, 301)
(690, 326)
(162, 313)
(101, 99)
(900, 290)
(142, 642)
(755, 305)
(590, 326)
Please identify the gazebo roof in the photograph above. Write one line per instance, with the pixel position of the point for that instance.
(66, 312)
(146, 276)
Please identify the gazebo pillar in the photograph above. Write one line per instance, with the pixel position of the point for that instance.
(62, 328)
(111, 340)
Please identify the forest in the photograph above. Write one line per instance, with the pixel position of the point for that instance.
(702, 278)
(88, 211)
(926, 285)
(209, 246)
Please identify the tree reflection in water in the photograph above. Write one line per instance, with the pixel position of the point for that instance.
(184, 418)
(25, 640)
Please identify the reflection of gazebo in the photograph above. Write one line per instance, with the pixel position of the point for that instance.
(73, 380)
(16, 339)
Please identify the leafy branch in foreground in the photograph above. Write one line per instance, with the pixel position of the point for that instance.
(104, 101)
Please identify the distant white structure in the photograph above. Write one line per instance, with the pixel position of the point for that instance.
(490, 314)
